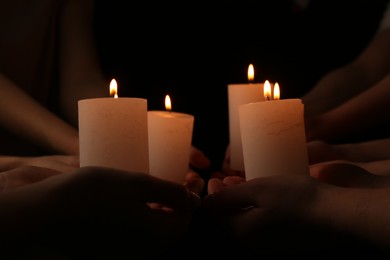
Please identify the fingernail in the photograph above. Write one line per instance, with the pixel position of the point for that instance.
(209, 196)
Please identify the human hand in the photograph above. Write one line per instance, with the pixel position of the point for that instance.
(216, 184)
(194, 182)
(198, 160)
(343, 174)
(256, 212)
(341, 204)
(108, 209)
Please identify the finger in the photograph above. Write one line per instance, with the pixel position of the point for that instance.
(25, 175)
(232, 180)
(347, 175)
(145, 187)
(198, 159)
(228, 171)
(173, 195)
(214, 185)
(233, 197)
(72, 160)
(194, 182)
(256, 192)
(218, 175)
(36, 173)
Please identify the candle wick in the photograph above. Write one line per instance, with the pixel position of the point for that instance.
(268, 98)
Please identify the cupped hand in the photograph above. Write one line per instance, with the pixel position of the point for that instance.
(256, 210)
(104, 211)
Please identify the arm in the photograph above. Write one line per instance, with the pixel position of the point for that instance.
(303, 204)
(81, 75)
(79, 66)
(38, 125)
(362, 113)
(375, 150)
(342, 83)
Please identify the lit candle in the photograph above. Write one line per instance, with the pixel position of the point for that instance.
(170, 138)
(273, 137)
(113, 132)
(239, 94)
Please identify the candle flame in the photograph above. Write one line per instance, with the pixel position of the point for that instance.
(113, 88)
(267, 90)
(251, 73)
(168, 105)
(276, 91)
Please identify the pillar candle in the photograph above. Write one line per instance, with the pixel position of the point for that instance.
(113, 133)
(273, 138)
(239, 94)
(170, 138)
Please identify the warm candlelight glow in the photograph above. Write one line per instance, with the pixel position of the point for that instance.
(273, 138)
(276, 91)
(114, 88)
(170, 136)
(251, 73)
(267, 90)
(168, 105)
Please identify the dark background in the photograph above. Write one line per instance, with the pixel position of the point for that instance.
(192, 50)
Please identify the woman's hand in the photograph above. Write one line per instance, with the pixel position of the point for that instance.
(102, 210)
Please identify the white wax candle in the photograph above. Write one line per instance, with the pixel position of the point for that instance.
(273, 138)
(170, 138)
(239, 94)
(113, 133)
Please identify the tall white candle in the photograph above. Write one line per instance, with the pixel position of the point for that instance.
(170, 138)
(239, 94)
(273, 138)
(113, 133)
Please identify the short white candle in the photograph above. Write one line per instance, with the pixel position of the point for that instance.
(273, 138)
(239, 94)
(113, 133)
(170, 138)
